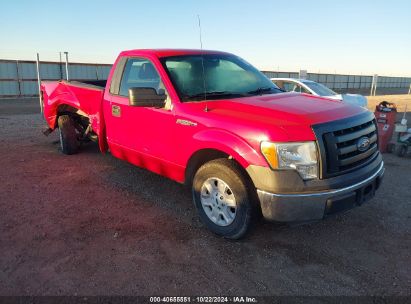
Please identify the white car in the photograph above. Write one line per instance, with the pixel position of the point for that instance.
(318, 89)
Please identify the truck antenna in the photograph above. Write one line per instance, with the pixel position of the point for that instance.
(202, 64)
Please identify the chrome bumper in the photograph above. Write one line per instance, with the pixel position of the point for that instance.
(299, 207)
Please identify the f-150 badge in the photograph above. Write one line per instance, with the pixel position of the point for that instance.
(186, 122)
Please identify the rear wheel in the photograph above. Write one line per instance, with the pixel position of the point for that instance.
(221, 196)
(69, 141)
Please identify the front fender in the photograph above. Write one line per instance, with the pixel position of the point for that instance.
(230, 144)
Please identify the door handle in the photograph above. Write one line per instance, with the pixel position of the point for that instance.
(115, 111)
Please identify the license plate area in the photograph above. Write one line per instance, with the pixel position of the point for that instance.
(350, 200)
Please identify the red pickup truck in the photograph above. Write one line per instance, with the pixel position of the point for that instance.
(214, 122)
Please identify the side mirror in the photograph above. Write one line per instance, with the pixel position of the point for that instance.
(146, 97)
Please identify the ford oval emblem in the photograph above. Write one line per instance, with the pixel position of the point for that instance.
(363, 144)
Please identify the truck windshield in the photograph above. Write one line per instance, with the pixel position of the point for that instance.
(215, 76)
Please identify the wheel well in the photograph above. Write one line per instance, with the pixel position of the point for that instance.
(80, 118)
(198, 159)
(203, 156)
(64, 109)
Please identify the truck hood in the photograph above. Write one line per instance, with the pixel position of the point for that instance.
(283, 116)
(286, 108)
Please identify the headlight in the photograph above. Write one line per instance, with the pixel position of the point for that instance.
(300, 156)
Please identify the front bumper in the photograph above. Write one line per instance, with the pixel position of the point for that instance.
(300, 207)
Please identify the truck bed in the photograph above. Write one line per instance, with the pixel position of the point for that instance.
(74, 96)
(95, 83)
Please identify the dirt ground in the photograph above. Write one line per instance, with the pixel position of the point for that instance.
(90, 224)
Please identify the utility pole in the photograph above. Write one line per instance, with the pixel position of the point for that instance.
(67, 68)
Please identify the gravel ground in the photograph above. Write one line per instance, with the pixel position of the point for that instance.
(90, 224)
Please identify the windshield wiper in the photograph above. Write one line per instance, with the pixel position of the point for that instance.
(261, 91)
(213, 95)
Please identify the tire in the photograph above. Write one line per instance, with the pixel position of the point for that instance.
(390, 147)
(401, 150)
(69, 142)
(227, 211)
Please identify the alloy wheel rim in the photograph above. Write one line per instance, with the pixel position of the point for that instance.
(218, 201)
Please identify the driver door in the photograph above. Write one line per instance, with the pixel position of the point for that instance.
(140, 135)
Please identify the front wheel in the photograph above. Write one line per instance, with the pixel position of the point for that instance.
(222, 199)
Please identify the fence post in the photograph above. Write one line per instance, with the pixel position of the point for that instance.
(335, 80)
(67, 67)
(60, 66)
(18, 77)
(359, 86)
(374, 85)
(39, 83)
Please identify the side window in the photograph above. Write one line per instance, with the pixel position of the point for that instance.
(304, 90)
(298, 88)
(279, 84)
(140, 72)
(288, 86)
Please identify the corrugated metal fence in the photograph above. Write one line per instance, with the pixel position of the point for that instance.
(342, 82)
(19, 78)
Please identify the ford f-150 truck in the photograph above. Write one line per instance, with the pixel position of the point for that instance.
(212, 121)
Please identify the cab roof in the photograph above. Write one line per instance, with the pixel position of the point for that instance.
(169, 52)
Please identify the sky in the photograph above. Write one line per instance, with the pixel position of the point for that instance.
(348, 37)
